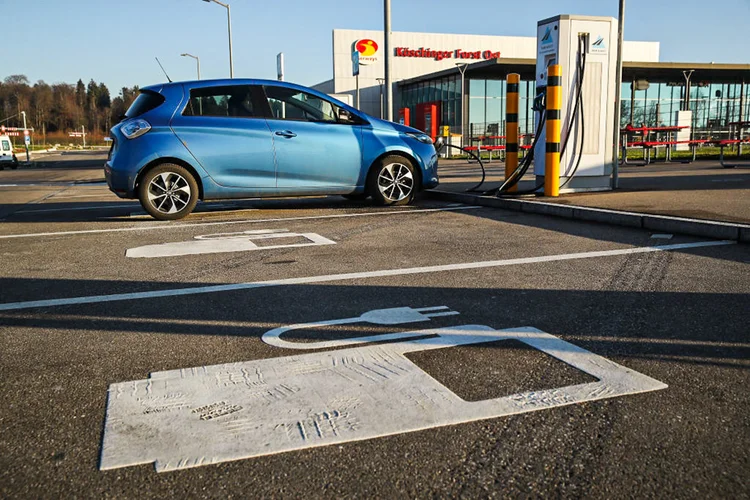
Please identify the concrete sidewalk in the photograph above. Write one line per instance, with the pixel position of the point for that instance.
(680, 193)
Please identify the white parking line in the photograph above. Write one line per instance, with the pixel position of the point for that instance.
(167, 225)
(230, 287)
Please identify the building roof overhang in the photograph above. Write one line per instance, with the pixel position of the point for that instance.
(497, 69)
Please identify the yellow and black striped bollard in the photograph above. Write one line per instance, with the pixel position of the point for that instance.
(554, 112)
(511, 127)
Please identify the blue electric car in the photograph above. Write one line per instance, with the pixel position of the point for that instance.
(217, 139)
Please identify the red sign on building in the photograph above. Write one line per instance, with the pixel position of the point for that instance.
(439, 55)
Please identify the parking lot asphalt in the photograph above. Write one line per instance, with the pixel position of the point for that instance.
(88, 299)
(700, 190)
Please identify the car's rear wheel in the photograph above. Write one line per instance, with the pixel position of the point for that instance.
(168, 192)
(393, 181)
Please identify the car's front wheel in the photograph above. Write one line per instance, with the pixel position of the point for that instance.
(168, 192)
(393, 181)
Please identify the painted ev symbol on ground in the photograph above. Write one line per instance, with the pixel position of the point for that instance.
(190, 417)
(262, 239)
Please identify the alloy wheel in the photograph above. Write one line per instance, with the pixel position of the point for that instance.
(169, 192)
(395, 182)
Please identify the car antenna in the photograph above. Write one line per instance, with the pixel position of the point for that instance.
(162, 68)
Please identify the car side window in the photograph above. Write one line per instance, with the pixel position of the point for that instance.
(6, 145)
(292, 104)
(233, 101)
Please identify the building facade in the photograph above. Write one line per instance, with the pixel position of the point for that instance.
(718, 97)
(426, 68)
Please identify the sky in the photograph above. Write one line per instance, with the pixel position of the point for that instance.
(115, 42)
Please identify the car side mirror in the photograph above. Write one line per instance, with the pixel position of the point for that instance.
(345, 116)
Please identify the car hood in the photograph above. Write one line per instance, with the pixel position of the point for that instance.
(386, 125)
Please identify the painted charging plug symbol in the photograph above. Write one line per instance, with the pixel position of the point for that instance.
(380, 317)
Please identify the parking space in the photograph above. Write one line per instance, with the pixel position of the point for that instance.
(99, 302)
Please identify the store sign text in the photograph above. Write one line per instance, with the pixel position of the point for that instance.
(439, 55)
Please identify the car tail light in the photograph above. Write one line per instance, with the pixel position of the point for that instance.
(135, 128)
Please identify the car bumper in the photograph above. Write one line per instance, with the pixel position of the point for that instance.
(430, 177)
(118, 182)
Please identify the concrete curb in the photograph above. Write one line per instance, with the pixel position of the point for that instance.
(663, 223)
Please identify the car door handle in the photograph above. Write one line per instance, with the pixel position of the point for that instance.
(286, 133)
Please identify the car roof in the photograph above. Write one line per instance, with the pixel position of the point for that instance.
(163, 88)
(223, 82)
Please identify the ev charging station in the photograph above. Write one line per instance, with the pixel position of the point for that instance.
(586, 49)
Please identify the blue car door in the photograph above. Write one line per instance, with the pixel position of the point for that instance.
(316, 152)
(223, 130)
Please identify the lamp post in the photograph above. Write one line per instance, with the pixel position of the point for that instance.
(380, 82)
(197, 60)
(25, 134)
(387, 38)
(229, 31)
(462, 68)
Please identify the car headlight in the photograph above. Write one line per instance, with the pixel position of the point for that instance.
(135, 128)
(423, 138)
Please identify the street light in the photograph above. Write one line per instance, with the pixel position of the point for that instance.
(229, 30)
(462, 68)
(380, 81)
(197, 60)
(388, 76)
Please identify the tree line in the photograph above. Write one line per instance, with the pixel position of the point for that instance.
(56, 109)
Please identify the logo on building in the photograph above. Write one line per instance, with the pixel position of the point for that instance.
(599, 46)
(368, 51)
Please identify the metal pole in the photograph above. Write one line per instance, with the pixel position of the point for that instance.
(380, 82)
(357, 78)
(687, 75)
(280, 66)
(229, 31)
(388, 83)
(462, 69)
(197, 61)
(463, 108)
(742, 118)
(23, 114)
(618, 91)
(83, 129)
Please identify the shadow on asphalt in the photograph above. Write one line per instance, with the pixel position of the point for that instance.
(699, 328)
(119, 210)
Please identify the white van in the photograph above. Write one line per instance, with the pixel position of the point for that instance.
(7, 158)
